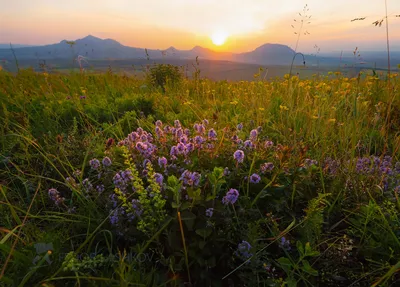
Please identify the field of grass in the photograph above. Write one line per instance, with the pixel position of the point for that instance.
(107, 180)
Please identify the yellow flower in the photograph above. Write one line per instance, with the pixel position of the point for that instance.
(284, 108)
(45, 75)
(234, 103)
(332, 120)
(261, 109)
(315, 117)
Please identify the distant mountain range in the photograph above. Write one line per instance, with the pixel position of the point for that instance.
(96, 48)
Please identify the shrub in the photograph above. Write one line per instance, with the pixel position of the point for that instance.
(162, 74)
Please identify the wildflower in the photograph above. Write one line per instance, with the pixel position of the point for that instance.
(54, 195)
(310, 162)
(71, 182)
(243, 250)
(268, 144)
(106, 161)
(87, 185)
(205, 122)
(159, 178)
(109, 142)
(212, 135)
(239, 126)
(159, 123)
(253, 135)
(100, 188)
(77, 173)
(284, 108)
(249, 144)
(255, 178)
(285, 244)
(198, 140)
(239, 156)
(230, 197)
(94, 163)
(331, 166)
(267, 167)
(114, 217)
(162, 162)
(209, 212)
(177, 124)
(226, 171)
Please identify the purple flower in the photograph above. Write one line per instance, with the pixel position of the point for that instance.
(267, 167)
(332, 166)
(106, 161)
(200, 129)
(212, 134)
(114, 217)
(159, 132)
(71, 182)
(253, 135)
(159, 178)
(177, 124)
(243, 250)
(87, 185)
(190, 178)
(310, 162)
(55, 196)
(77, 173)
(255, 178)
(285, 244)
(240, 126)
(268, 144)
(239, 156)
(159, 123)
(205, 122)
(94, 163)
(100, 188)
(162, 162)
(226, 171)
(230, 197)
(249, 144)
(209, 212)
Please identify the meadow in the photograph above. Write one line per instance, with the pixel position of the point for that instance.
(112, 180)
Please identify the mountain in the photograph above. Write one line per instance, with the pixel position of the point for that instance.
(7, 45)
(92, 47)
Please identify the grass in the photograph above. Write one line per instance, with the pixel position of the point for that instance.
(325, 211)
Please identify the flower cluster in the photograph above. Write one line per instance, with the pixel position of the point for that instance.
(55, 196)
(231, 197)
(243, 250)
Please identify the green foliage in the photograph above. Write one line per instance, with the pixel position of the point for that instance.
(344, 222)
(162, 74)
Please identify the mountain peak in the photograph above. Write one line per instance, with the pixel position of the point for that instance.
(90, 37)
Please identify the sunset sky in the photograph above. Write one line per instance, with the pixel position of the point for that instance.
(183, 24)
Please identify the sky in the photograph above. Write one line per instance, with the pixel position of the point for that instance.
(159, 24)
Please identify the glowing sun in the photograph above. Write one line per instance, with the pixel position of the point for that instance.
(219, 38)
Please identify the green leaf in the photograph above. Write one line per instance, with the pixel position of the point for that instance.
(300, 248)
(174, 205)
(285, 264)
(309, 252)
(307, 268)
(195, 194)
(204, 232)
(188, 218)
(172, 181)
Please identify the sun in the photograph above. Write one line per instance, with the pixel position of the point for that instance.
(219, 37)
